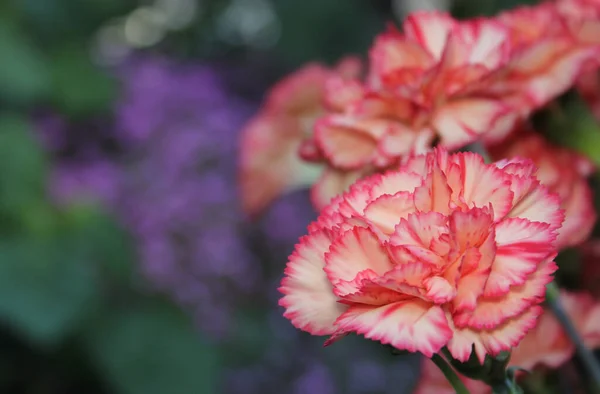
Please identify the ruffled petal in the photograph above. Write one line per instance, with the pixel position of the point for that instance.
(393, 182)
(413, 325)
(434, 194)
(269, 163)
(470, 228)
(545, 344)
(430, 29)
(332, 183)
(492, 342)
(386, 211)
(439, 290)
(460, 122)
(410, 274)
(345, 145)
(355, 251)
(580, 215)
(492, 311)
(476, 265)
(518, 166)
(549, 68)
(414, 236)
(309, 301)
(340, 93)
(365, 289)
(521, 246)
(391, 51)
(483, 185)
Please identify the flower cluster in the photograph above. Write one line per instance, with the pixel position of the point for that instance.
(274, 143)
(415, 246)
(447, 251)
(564, 172)
(437, 81)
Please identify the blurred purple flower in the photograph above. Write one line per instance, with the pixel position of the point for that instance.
(316, 380)
(367, 376)
(97, 181)
(172, 182)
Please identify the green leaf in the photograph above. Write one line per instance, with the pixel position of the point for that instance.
(572, 125)
(58, 21)
(248, 344)
(22, 166)
(45, 287)
(78, 86)
(108, 244)
(24, 77)
(337, 28)
(151, 348)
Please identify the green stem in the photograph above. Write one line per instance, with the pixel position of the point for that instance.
(586, 356)
(449, 373)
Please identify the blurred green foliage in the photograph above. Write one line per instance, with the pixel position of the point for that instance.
(337, 28)
(148, 347)
(67, 276)
(45, 49)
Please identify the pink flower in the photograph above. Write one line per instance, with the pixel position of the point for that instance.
(459, 81)
(274, 140)
(564, 172)
(583, 17)
(443, 66)
(423, 83)
(548, 345)
(365, 132)
(547, 56)
(445, 251)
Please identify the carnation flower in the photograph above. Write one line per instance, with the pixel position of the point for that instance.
(564, 172)
(276, 140)
(548, 54)
(442, 65)
(551, 51)
(459, 81)
(548, 344)
(423, 83)
(437, 81)
(583, 17)
(445, 251)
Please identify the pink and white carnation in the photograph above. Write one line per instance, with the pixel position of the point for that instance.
(444, 251)
(565, 173)
(276, 142)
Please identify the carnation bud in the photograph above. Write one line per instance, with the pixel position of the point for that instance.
(493, 371)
